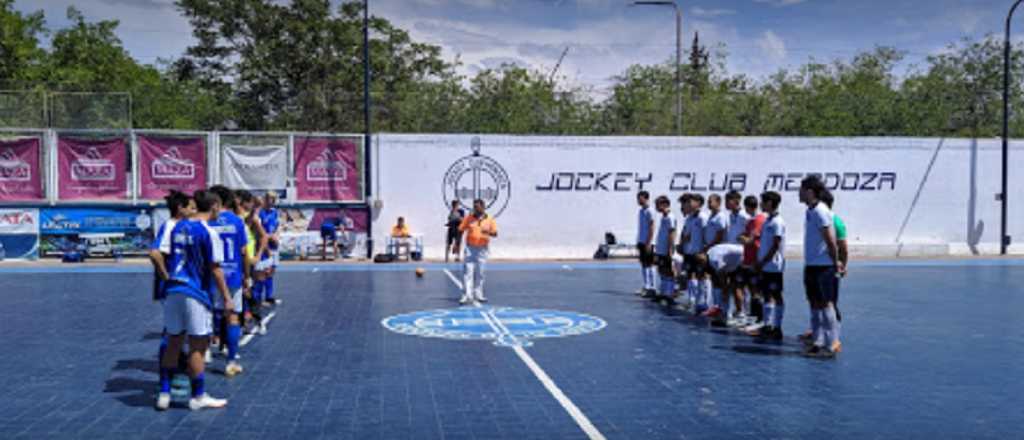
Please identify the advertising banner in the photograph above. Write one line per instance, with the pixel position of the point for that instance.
(90, 169)
(255, 168)
(21, 173)
(19, 221)
(328, 169)
(100, 232)
(167, 163)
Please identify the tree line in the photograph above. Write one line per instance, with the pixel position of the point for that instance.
(261, 65)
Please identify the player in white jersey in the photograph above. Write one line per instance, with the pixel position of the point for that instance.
(644, 244)
(693, 244)
(738, 219)
(663, 250)
(769, 267)
(822, 269)
(714, 234)
(722, 261)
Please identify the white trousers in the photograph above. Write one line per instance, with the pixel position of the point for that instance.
(473, 278)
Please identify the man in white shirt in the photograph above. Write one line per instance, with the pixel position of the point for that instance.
(822, 267)
(770, 265)
(644, 244)
(714, 234)
(663, 250)
(693, 244)
(722, 261)
(738, 219)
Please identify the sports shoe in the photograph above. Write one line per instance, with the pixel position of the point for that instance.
(754, 327)
(807, 336)
(700, 309)
(713, 312)
(233, 369)
(163, 401)
(481, 298)
(816, 351)
(736, 322)
(649, 293)
(837, 347)
(640, 292)
(205, 401)
(465, 300)
(760, 332)
(262, 330)
(208, 357)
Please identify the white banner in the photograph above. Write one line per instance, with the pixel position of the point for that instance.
(255, 167)
(19, 221)
(555, 197)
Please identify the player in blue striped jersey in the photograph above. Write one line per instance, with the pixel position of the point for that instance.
(231, 229)
(181, 207)
(193, 273)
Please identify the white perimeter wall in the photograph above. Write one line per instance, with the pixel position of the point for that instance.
(898, 196)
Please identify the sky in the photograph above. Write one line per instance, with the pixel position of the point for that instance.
(604, 37)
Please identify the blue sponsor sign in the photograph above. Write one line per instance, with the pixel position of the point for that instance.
(60, 221)
(504, 326)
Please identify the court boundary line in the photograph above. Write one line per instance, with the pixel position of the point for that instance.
(574, 411)
(248, 338)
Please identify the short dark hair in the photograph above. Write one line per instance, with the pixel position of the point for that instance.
(176, 200)
(699, 198)
(644, 194)
(773, 197)
(815, 184)
(227, 198)
(662, 200)
(480, 201)
(243, 196)
(827, 198)
(750, 202)
(401, 219)
(205, 200)
(734, 195)
(455, 202)
(685, 198)
(715, 198)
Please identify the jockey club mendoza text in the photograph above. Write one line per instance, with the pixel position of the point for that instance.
(690, 181)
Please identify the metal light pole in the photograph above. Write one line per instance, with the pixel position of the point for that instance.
(367, 170)
(1004, 239)
(679, 56)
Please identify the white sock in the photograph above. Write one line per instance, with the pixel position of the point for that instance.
(705, 289)
(769, 314)
(693, 290)
(819, 330)
(652, 274)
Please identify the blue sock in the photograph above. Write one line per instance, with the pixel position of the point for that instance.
(270, 288)
(218, 323)
(780, 310)
(165, 379)
(162, 350)
(234, 334)
(257, 290)
(198, 385)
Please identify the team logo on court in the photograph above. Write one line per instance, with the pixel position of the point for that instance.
(477, 177)
(505, 326)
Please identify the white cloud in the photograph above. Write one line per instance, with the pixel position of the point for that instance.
(772, 46)
(710, 13)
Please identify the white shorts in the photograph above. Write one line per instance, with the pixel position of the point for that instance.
(183, 314)
(236, 301)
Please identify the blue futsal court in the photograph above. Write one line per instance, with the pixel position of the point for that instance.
(932, 349)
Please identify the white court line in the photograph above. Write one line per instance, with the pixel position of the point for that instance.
(581, 419)
(247, 338)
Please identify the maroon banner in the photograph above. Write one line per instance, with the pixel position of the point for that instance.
(328, 169)
(21, 176)
(92, 169)
(170, 163)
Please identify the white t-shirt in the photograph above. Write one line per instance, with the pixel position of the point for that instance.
(715, 224)
(725, 257)
(815, 248)
(645, 220)
(737, 226)
(695, 228)
(667, 224)
(773, 227)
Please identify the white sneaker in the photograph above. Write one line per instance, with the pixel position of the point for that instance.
(208, 357)
(465, 300)
(233, 369)
(163, 401)
(263, 329)
(205, 401)
(481, 298)
(753, 327)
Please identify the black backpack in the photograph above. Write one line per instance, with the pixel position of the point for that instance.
(383, 258)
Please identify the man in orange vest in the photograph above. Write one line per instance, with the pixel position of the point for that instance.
(479, 228)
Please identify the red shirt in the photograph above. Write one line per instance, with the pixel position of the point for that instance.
(753, 230)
